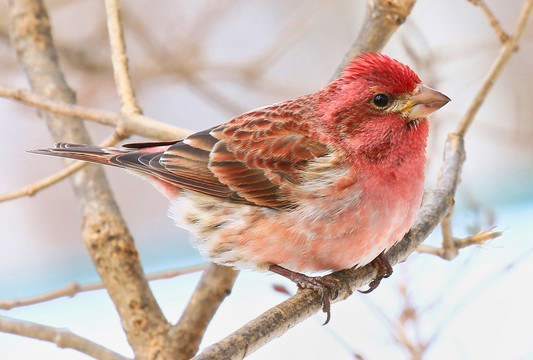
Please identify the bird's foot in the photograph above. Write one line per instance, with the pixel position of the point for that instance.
(384, 269)
(328, 289)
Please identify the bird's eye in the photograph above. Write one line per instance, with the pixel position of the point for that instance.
(381, 100)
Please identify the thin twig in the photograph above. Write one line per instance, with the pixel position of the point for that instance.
(398, 328)
(492, 19)
(132, 124)
(477, 239)
(451, 249)
(120, 60)
(409, 340)
(505, 53)
(61, 337)
(75, 288)
(448, 244)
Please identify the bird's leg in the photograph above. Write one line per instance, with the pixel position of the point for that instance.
(325, 287)
(384, 269)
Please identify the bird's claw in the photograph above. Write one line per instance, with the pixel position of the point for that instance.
(373, 284)
(326, 288)
(384, 269)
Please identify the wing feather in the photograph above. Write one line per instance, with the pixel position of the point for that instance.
(253, 159)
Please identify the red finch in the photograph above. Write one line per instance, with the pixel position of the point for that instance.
(327, 181)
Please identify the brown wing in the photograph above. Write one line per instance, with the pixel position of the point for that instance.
(187, 171)
(247, 160)
(253, 155)
(145, 158)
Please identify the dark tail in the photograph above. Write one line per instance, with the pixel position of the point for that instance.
(91, 153)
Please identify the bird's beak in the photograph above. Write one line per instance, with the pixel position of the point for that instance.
(423, 102)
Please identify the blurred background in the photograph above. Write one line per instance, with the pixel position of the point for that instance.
(198, 64)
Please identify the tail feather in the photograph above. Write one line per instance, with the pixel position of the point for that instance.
(91, 153)
(188, 170)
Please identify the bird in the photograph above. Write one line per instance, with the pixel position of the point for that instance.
(320, 183)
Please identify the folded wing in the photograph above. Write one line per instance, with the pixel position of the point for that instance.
(249, 160)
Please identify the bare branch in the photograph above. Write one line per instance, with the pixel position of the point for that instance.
(409, 340)
(105, 234)
(448, 250)
(452, 249)
(447, 234)
(120, 60)
(492, 19)
(214, 286)
(126, 124)
(75, 288)
(451, 245)
(505, 53)
(382, 19)
(478, 238)
(61, 337)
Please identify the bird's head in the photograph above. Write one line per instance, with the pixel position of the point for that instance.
(377, 87)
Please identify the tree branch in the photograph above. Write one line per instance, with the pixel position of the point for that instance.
(105, 234)
(61, 337)
(450, 245)
(75, 288)
(129, 124)
(183, 339)
(492, 20)
(383, 17)
(216, 283)
(120, 60)
(452, 250)
(505, 53)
